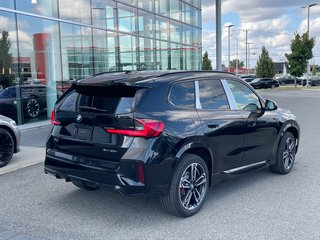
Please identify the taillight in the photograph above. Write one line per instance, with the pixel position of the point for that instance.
(140, 172)
(144, 128)
(53, 118)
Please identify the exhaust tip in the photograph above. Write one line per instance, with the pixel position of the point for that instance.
(120, 190)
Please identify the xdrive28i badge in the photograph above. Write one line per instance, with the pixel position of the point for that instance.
(79, 118)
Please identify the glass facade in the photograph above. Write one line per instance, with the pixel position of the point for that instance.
(46, 44)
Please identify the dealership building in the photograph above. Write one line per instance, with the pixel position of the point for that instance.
(47, 44)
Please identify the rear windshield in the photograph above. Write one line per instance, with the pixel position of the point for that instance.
(108, 100)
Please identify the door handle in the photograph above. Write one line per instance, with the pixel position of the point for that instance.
(213, 125)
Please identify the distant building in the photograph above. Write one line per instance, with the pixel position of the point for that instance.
(280, 67)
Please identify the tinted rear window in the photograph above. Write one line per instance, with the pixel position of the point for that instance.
(182, 94)
(103, 100)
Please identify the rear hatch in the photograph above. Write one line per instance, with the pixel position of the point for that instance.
(84, 115)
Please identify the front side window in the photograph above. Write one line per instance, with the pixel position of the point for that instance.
(212, 95)
(244, 97)
(182, 94)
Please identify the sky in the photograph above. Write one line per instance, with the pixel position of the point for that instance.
(271, 23)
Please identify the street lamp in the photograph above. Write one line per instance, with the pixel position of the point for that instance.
(308, 68)
(249, 55)
(229, 26)
(309, 6)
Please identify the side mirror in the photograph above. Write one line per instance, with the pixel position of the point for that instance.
(270, 105)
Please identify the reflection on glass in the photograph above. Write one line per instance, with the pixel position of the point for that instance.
(160, 6)
(162, 29)
(177, 60)
(127, 52)
(41, 7)
(104, 14)
(175, 9)
(7, 3)
(9, 94)
(175, 28)
(77, 52)
(77, 11)
(126, 18)
(40, 74)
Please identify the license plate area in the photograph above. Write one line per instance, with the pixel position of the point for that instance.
(84, 133)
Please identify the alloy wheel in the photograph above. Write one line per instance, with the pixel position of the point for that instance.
(288, 153)
(33, 108)
(6, 147)
(193, 186)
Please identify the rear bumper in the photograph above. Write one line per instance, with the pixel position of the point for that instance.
(122, 176)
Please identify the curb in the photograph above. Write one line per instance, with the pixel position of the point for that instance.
(27, 157)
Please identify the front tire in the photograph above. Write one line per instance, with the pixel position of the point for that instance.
(285, 154)
(188, 187)
(6, 147)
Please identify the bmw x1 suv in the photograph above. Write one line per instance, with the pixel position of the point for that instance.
(167, 133)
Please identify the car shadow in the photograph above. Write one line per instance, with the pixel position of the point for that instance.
(111, 206)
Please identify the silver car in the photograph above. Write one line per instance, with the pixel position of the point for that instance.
(9, 139)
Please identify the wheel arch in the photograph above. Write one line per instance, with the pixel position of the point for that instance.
(291, 127)
(199, 149)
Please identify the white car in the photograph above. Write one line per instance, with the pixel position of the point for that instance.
(9, 139)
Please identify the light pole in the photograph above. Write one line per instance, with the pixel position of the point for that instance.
(218, 36)
(308, 68)
(249, 56)
(229, 26)
(237, 56)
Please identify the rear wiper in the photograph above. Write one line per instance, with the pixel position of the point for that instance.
(93, 109)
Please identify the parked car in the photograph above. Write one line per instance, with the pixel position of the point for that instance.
(171, 134)
(33, 100)
(248, 78)
(288, 80)
(9, 139)
(264, 83)
(313, 81)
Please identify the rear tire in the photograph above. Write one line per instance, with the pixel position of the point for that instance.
(6, 147)
(188, 187)
(273, 86)
(285, 154)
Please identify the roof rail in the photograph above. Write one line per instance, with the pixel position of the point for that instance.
(193, 71)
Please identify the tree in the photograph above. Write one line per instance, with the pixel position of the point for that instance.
(233, 63)
(314, 70)
(206, 62)
(265, 65)
(6, 78)
(5, 56)
(301, 52)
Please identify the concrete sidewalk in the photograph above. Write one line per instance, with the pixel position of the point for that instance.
(28, 156)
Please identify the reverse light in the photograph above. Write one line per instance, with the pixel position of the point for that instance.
(53, 118)
(147, 128)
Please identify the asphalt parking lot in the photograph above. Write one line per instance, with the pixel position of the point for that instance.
(258, 205)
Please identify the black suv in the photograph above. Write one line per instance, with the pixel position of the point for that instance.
(167, 133)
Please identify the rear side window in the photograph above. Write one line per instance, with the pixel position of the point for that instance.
(212, 95)
(70, 101)
(99, 100)
(182, 94)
